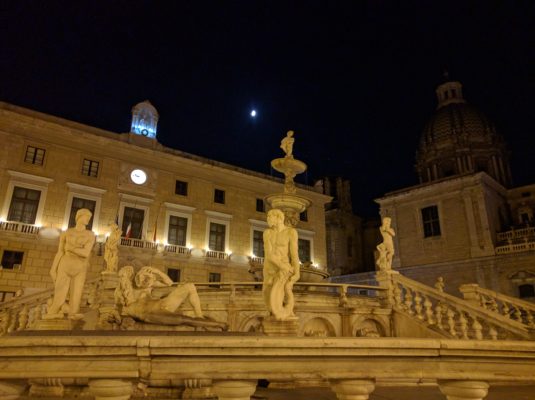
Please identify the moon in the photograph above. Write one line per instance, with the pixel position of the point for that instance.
(253, 113)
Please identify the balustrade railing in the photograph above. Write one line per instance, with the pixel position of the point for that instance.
(176, 249)
(138, 243)
(516, 233)
(453, 317)
(218, 255)
(516, 247)
(11, 226)
(509, 307)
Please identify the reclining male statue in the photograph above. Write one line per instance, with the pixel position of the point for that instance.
(134, 293)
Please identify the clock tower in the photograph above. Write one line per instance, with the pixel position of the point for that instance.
(144, 120)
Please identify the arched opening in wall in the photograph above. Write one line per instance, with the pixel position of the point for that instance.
(526, 291)
(369, 328)
(318, 327)
(482, 165)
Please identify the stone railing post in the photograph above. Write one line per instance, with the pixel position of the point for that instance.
(353, 389)
(384, 279)
(464, 390)
(234, 390)
(470, 293)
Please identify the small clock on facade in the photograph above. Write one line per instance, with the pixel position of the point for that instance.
(138, 176)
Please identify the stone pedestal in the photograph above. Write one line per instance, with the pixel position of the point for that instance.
(54, 324)
(234, 390)
(272, 327)
(110, 389)
(353, 389)
(46, 388)
(464, 390)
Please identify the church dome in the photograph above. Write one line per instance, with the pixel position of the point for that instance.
(459, 139)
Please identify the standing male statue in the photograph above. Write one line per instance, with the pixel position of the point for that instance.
(281, 266)
(287, 144)
(386, 248)
(70, 266)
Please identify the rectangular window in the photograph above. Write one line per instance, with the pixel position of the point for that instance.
(24, 204)
(12, 259)
(34, 155)
(304, 250)
(219, 196)
(174, 274)
(133, 217)
(90, 168)
(181, 188)
(303, 216)
(430, 221)
(260, 205)
(78, 203)
(217, 237)
(214, 277)
(178, 227)
(258, 243)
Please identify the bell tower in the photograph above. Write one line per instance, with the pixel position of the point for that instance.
(144, 120)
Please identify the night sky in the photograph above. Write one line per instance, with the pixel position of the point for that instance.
(355, 80)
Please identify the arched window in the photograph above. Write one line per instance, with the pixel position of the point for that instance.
(526, 290)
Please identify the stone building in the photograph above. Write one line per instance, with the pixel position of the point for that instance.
(197, 219)
(464, 221)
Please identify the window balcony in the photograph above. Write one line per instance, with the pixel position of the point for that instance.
(176, 249)
(138, 243)
(13, 226)
(217, 255)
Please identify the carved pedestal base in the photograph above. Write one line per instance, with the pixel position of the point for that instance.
(464, 390)
(110, 389)
(353, 389)
(234, 390)
(272, 327)
(54, 325)
(198, 389)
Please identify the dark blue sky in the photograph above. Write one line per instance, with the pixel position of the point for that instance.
(354, 80)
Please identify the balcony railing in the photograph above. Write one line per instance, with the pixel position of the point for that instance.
(11, 226)
(138, 243)
(516, 234)
(176, 249)
(218, 255)
(517, 247)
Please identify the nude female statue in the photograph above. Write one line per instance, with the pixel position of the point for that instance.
(70, 266)
(386, 248)
(134, 293)
(281, 266)
(111, 251)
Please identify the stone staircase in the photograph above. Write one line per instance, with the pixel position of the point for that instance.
(483, 314)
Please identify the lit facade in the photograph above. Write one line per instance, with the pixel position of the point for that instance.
(198, 219)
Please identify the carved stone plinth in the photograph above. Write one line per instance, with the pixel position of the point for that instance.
(353, 389)
(234, 390)
(110, 389)
(63, 324)
(464, 390)
(198, 389)
(272, 327)
(110, 280)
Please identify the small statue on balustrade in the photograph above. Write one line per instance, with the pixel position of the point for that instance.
(135, 296)
(111, 249)
(386, 248)
(70, 266)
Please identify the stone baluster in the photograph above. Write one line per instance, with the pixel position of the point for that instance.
(408, 301)
(464, 390)
(342, 301)
(478, 329)
(493, 333)
(463, 322)
(12, 320)
(197, 389)
(428, 311)
(397, 296)
(418, 305)
(451, 322)
(110, 389)
(24, 316)
(438, 315)
(353, 389)
(234, 390)
(506, 310)
(47, 387)
(529, 319)
(517, 314)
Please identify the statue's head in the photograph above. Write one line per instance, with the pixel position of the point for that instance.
(83, 215)
(275, 217)
(387, 221)
(145, 278)
(290, 133)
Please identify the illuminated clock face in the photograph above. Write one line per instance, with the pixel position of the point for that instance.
(138, 176)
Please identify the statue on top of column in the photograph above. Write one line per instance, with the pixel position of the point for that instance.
(287, 144)
(386, 248)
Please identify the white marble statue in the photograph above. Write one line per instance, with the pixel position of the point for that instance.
(281, 266)
(111, 249)
(70, 266)
(386, 248)
(287, 144)
(135, 295)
